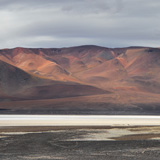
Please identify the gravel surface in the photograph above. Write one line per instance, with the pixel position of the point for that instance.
(60, 144)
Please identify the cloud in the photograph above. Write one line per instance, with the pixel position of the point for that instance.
(60, 23)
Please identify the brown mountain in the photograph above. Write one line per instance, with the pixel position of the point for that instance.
(16, 84)
(116, 75)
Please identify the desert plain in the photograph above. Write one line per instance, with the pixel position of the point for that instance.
(72, 137)
(84, 81)
(81, 142)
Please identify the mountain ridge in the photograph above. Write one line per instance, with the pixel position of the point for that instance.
(80, 80)
(111, 69)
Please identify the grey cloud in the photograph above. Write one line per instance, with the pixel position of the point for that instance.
(51, 23)
(94, 7)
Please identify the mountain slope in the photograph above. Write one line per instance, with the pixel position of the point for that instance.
(80, 80)
(132, 68)
(18, 84)
(13, 79)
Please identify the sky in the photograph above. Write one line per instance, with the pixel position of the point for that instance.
(65, 23)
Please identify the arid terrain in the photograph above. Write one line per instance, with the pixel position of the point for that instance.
(80, 80)
(80, 143)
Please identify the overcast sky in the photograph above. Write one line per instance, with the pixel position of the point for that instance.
(64, 23)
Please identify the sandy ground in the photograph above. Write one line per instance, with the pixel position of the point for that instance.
(78, 120)
(120, 103)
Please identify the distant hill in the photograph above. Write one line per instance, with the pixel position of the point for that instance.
(106, 68)
(87, 78)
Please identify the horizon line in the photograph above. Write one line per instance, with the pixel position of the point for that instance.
(85, 45)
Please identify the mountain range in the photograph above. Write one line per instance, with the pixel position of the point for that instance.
(89, 78)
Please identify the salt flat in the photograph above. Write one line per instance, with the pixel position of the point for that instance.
(78, 120)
